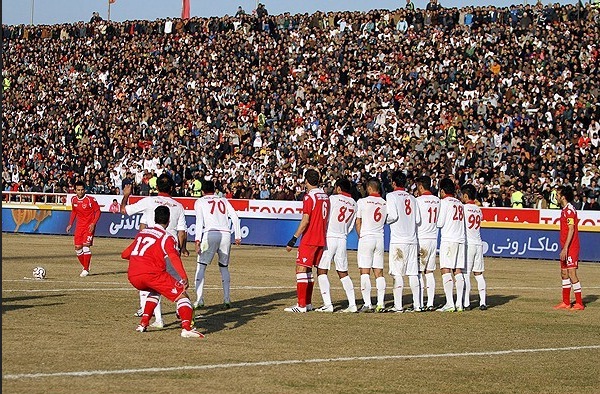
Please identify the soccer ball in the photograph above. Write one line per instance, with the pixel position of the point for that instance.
(39, 273)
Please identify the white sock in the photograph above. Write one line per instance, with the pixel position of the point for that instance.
(459, 280)
(467, 299)
(448, 288)
(143, 295)
(226, 281)
(397, 291)
(324, 287)
(365, 288)
(158, 310)
(421, 288)
(380, 284)
(349, 289)
(430, 288)
(413, 280)
(200, 270)
(481, 288)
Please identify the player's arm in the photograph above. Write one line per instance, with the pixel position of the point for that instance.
(173, 253)
(97, 213)
(235, 220)
(358, 226)
(199, 225)
(182, 238)
(570, 233)
(71, 219)
(126, 194)
(392, 211)
(301, 227)
(126, 254)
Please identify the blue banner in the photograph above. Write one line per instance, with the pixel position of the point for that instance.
(509, 243)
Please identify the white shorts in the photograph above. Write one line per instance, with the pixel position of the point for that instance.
(336, 251)
(370, 252)
(404, 259)
(427, 252)
(452, 255)
(475, 258)
(218, 242)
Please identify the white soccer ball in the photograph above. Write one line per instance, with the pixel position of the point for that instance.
(39, 273)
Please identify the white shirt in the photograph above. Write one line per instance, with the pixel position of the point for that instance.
(147, 205)
(451, 220)
(342, 215)
(372, 210)
(403, 216)
(429, 206)
(473, 218)
(213, 213)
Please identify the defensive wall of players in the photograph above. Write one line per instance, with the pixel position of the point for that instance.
(506, 232)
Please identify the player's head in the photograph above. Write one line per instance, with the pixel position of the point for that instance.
(447, 186)
(165, 183)
(312, 177)
(565, 191)
(208, 187)
(374, 185)
(424, 182)
(399, 178)
(344, 184)
(80, 189)
(162, 215)
(469, 192)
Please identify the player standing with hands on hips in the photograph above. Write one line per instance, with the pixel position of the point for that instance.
(569, 254)
(213, 236)
(87, 212)
(148, 272)
(313, 229)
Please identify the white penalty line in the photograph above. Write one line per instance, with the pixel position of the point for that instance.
(292, 362)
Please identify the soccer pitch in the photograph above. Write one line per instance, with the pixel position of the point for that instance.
(67, 334)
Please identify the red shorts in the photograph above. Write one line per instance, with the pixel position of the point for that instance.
(83, 236)
(160, 282)
(309, 255)
(572, 260)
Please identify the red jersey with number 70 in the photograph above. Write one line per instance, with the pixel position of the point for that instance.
(568, 216)
(316, 205)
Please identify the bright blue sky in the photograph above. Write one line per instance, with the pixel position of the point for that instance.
(61, 11)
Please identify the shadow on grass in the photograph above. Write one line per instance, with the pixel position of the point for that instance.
(7, 302)
(590, 298)
(108, 273)
(496, 300)
(215, 318)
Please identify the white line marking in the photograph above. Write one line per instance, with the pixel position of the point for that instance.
(290, 362)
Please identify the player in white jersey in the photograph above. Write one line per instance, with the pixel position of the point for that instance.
(370, 219)
(177, 227)
(342, 215)
(403, 216)
(452, 245)
(214, 236)
(429, 206)
(473, 218)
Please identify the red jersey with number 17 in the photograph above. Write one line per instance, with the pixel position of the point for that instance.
(568, 216)
(316, 205)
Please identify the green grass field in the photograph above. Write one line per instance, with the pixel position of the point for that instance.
(68, 334)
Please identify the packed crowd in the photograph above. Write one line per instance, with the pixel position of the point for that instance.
(496, 97)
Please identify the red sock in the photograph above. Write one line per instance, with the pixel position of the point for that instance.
(87, 258)
(577, 291)
(151, 302)
(185, 312)
(566, 291)
(301, 289)
(81, 257)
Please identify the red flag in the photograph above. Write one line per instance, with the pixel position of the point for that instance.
(185, 9)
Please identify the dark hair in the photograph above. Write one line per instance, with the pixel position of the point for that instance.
(425, 181)
(399, 178)
(80, 183)
(165, 183)
(162, 215)
(344, 184)
(469, 190)
(447, 186)
(374, 183)
(208, 186)
(567, 192)
(312, 177)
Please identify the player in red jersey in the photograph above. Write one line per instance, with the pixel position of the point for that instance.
(148, 272)
(569, 254)
(313, 229)
(87, 212)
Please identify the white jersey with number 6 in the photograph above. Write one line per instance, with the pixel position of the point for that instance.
(372, 210)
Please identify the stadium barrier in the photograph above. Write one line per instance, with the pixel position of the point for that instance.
(506, 232)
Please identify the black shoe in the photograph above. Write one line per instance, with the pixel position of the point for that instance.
(430, 308)
(482, 308)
